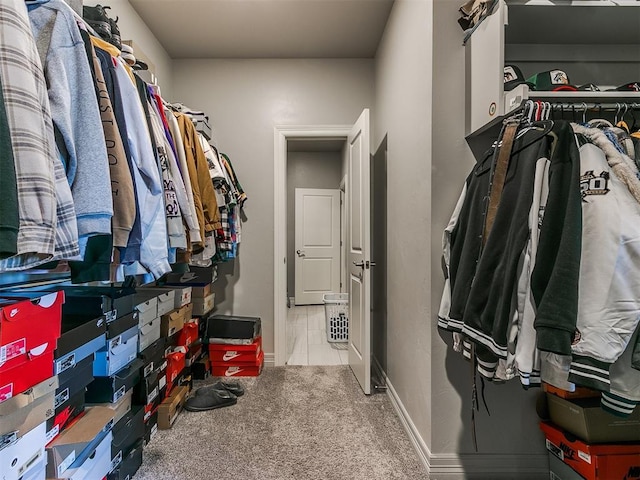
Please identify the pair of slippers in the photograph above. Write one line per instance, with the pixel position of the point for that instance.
(220, 394)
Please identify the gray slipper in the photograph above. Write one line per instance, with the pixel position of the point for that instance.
(210, 400)
(234, 387)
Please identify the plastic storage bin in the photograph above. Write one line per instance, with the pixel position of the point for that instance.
(336, 308)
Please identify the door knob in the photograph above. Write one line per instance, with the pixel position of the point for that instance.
(359, 264)
(300, 253)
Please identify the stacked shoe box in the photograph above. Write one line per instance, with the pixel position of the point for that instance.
(235, 345)
(587, 442)
(30, 325)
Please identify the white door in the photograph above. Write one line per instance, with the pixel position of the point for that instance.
(317, 244)
(359, 241)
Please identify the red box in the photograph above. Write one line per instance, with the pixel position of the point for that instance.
(594, 462)
(239, 370)
(28, 327)
(175, 365)
(188, 334)
(222, 354)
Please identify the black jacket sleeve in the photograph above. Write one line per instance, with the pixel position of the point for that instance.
(554, 281)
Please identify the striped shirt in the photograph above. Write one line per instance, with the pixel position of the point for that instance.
(29, 120)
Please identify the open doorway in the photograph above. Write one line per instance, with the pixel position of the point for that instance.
(315, 264)
(315, 170)
(290, 143)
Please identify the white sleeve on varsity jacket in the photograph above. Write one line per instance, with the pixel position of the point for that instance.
(445, 301)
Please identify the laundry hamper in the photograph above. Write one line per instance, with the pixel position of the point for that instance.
(336, 308)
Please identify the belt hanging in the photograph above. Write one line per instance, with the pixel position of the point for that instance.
(499, 175)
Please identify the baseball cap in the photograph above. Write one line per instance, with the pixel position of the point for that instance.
(513, 77)
(552, 81)
(589, 87)
(628, 87)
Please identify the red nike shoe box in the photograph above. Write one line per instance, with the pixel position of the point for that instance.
(175, 364)
(30, 325)
(189, 333)
(593, 462)
(232, 369)
(223, 354)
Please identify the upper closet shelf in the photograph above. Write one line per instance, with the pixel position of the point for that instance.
(596, 97)
(575, 3)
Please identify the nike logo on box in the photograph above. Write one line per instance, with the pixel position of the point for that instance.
(187, 277)
(230, 372)
(228, 356)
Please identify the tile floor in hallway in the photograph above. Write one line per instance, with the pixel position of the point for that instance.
(307, 338)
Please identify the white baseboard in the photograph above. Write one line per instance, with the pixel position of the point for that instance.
(269, 359)
(452, 466)
(414, 436)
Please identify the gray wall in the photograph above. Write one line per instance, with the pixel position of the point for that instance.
(245, 100)
(133, 28)
(403, 114)
(512, 408)
(306, 170)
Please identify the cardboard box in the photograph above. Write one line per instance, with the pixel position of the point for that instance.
(201, 292)
(120, 408)
(152, 357)
(171, 408)
(593, 462)
(119, 352)
(233, 329)
(578, 392)
(148, 334)
(193, 355)
(78, 341)
(18, 459)
(174, 321)
(149, 387)
(589, 422)
(129, 465)
(202, 306)
(175, 365)
(111, 389)
(558, 470)
(78, 441)
(22, 378)
(30, 325)
(97, 463)
(72, 409)
(150, 427)
(182, 295)
(234, 370)
(127, 432)
(165, 298)
(70, 396)
(38, 472)
(122, 324)
(201, 276)
(147, 308)
(222, 353)
(189, 333)
(89, 302)
(24, 412)
(201, 370)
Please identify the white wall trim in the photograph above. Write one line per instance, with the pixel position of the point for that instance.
(452, 466)
(269, 360)
(412, 431)
(280, 135)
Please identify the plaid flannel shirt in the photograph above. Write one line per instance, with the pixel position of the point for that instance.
(29, 118)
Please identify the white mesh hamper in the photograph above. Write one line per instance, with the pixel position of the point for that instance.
(336, 308)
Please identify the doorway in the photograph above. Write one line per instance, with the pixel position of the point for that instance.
(286, 138)
(315, 169)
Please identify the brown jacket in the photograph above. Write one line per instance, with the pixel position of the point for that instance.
(203, 193)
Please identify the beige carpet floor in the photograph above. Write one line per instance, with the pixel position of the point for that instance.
(293, 423)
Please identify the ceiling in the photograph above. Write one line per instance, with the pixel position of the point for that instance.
(266, 28)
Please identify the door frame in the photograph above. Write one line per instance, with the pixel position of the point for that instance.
(280, 136)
